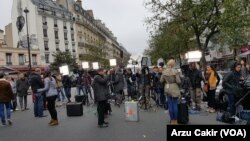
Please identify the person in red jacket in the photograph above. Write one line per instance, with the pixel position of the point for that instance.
(6, 95)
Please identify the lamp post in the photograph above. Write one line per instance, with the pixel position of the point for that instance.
(26, 11)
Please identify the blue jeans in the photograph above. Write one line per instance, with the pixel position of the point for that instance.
(67, 91)
(38, 105)
(4, 105)
(173, 107)
(81, 88)
(231, 104)
(60, 91)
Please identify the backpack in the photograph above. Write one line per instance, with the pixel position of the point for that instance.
(186, 84)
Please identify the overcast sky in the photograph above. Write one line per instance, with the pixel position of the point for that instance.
(125, 18)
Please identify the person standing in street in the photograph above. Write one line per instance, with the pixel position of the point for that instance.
(67, 86)
(36, 83)
(51, 96)
(212, 79)
(6, 95)
(60, 90)
(119, 86)
(13, 86)
(196, 78)
(22, 86)
(101, 92)
(231, 84)
(171, 79)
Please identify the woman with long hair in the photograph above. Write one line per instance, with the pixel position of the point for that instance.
(171, 79)
(212, 80)
(51, 96)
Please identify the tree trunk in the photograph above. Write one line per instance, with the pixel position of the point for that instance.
(203, 58)
(180, 59)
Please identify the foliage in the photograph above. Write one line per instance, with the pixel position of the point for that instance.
(63, 58)
(202, 20)
(95, 54)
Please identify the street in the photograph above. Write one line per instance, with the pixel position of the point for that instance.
(152, 126)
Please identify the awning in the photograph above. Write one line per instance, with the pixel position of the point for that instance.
(194, 60)
(244, 54)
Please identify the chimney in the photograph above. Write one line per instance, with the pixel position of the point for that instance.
(79, 2)
(90, 13)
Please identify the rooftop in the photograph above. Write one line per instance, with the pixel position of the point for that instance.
(50, 6)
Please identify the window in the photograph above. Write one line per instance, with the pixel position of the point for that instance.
(46, 45)
(64, 25)
(72, 37)
(34, 61)
(53, 13)
(66, 47)
(21, 59)
(73, 48)
(44, 20)
(47, 58)
(8, 59)
(56, 34)
(57, 46)
(55, 23)
(65, 36)
(45, 33)
(71, 27)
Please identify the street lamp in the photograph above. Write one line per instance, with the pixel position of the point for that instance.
(26, 11)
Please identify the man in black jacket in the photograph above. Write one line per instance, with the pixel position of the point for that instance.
(195, 77)
(37, 83)
(231, 84)
(101, 92)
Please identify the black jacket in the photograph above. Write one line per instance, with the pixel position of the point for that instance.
(66, 81)
(231, 82)
(100, 87)
(195, 77)
(36, 82)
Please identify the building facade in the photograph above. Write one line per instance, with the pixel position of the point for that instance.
(93, 33)
(16, 58)
(50, 26)
(57, 25)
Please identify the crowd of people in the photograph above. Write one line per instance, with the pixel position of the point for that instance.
(165, 85)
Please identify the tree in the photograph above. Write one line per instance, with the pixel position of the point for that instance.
(63, 58)
(170, 40)
(95, 54)
(204, 18)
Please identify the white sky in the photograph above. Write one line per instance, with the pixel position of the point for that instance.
(125, 18)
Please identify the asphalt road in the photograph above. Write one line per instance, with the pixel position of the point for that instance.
(152, 126)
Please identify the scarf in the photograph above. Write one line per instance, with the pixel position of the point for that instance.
(212, 80)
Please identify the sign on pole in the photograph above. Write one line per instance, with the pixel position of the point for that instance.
(95, 65)
(64, 70)
(112, 62)
(85, 65)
